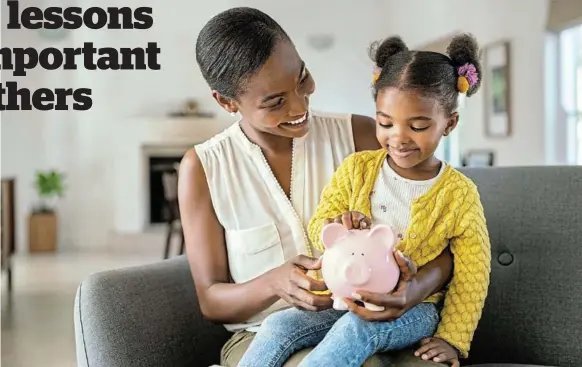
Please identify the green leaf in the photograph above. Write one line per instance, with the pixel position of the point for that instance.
(49, 184)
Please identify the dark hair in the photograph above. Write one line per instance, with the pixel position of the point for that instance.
(234, 45)
(431, 73)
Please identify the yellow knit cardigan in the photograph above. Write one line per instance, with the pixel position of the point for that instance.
(449, 214)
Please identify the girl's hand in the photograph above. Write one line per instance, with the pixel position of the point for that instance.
(403, 298)
(351, 220)
(439, 351)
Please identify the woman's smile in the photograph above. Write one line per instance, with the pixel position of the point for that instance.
(297, 124)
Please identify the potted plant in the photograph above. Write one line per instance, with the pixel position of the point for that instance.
(43, 222)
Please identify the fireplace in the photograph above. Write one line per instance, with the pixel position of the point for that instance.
(134, 206)
(162, 171)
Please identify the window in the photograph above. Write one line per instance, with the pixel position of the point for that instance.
(563, 95)
(570, 75)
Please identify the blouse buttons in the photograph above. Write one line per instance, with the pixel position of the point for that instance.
(413, 235)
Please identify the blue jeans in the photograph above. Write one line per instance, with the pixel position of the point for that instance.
(341, 338)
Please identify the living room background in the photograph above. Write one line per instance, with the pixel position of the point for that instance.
(103, 153)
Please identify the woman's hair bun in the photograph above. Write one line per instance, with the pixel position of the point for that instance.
(463, 49)
(380, 52)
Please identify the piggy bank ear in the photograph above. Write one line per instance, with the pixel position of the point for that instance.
(385, 234)
(332, 233)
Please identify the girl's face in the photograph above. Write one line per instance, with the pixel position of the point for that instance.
(276, 99)
(410, 126)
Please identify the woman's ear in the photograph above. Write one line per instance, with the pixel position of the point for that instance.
(225, 102)
(452, 123)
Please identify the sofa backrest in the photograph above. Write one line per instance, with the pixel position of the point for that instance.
(533, 312)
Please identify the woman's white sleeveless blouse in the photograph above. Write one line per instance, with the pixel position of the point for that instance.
(263, 228)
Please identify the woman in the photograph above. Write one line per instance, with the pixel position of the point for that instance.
(247, 195)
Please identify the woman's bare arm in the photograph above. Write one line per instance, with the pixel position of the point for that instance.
(434, 275)
(220, 300)
(364, 132)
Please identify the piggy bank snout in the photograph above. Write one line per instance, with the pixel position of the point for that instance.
(357, 272)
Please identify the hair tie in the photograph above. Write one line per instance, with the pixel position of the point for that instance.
(377, 71)
(468, 77)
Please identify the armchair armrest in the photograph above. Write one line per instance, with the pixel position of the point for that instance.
(144, 316)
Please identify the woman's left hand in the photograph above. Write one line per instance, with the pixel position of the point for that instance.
(403, 298)
(439, 351)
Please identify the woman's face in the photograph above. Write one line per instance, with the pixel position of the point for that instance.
(276, 99)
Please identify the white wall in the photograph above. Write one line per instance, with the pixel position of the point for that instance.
(490, 21)
(345, 68)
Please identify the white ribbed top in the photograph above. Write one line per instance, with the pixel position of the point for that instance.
(393, 195)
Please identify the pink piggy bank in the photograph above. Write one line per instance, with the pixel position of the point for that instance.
(358, 260)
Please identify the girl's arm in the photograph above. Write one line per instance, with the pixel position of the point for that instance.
(334, 201)
(465, 298)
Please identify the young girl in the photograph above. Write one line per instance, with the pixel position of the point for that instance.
(431, 205)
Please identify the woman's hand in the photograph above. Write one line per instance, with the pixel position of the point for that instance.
(403, 298)
(439, 351)
(351, 220)
(291, 283)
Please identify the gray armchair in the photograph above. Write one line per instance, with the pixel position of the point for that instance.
(144, 316)
(148, 316)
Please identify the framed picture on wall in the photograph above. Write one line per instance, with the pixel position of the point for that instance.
(497, 87)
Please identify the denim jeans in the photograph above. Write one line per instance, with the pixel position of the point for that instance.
(341, 338)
